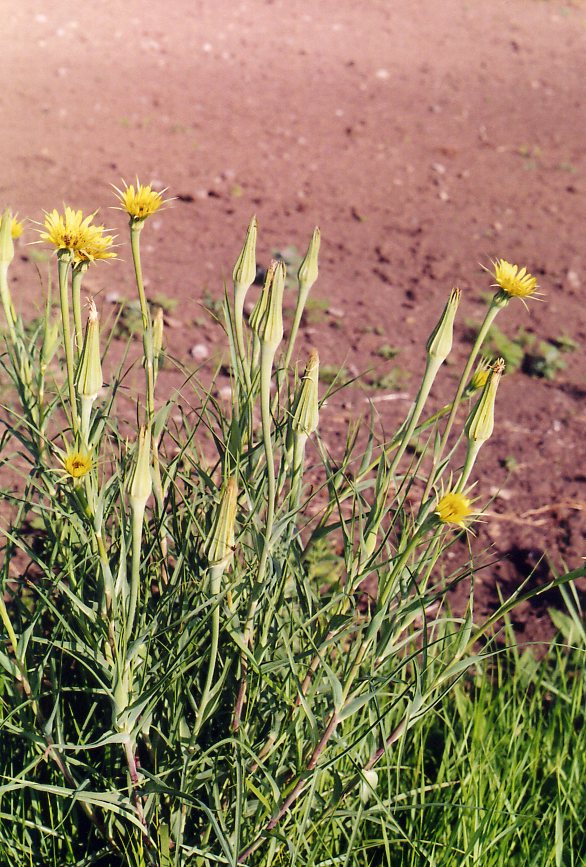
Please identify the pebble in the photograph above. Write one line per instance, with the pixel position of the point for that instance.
(199, 352)
(573, 279)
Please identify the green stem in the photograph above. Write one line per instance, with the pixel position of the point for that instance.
(63, 270)
(76, 280)
(431, 370)
(299, 308)
(138, 511)
(216, 573)
(239, 297)
(135, 230)
(9, 311)
(488, 320)
(267, 355)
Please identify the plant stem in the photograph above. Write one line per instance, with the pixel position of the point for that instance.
(483, 331)
(216, 573)
(267, 355)
(63, 271)
(76, 279)
(137, 522)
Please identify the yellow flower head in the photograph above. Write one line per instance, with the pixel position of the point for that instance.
(16, 228)
(93, 244)
(66, 231)
(73, 232)
(454, 508)
(77, 464)
(140, 203)
(479, 377)
(515, 281)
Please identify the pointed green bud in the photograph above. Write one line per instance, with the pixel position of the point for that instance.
(307, 274)
(480, 423)
(90, 380)
(306, 416)
(140, 479)
(439, 344)
(245, 267)
(158, 324)
(220, 542)
(6, 242)
(266, 320)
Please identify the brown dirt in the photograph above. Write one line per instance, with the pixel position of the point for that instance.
(423, 137)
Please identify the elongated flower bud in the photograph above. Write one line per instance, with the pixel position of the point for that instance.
(6, 242)
(245, 267)
(306, 416)
(140, 480)
(266, 320)
(480, 423)
(220, 542)
(90, 380)
(308, 270)
(439, 344)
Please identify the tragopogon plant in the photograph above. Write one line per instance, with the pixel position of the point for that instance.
(182, 680)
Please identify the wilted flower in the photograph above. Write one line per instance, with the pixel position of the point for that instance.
(141, 202)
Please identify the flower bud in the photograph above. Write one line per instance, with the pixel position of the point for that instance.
(266, 320)
(480, 423)
(90, 380)
(479, 377)
(245, 267)
(140, 480)
(439, 344)
(306, 416)
(220, 542)
(6, 242)
(307, 274)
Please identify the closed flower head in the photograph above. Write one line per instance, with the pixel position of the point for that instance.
(454, 508)
(220, 542)
(141, 202)
(306, 416)
(266, 319)
(244, 271)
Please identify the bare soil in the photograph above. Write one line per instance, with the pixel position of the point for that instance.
(426, 139)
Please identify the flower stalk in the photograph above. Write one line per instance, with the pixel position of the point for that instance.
(306, 277)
